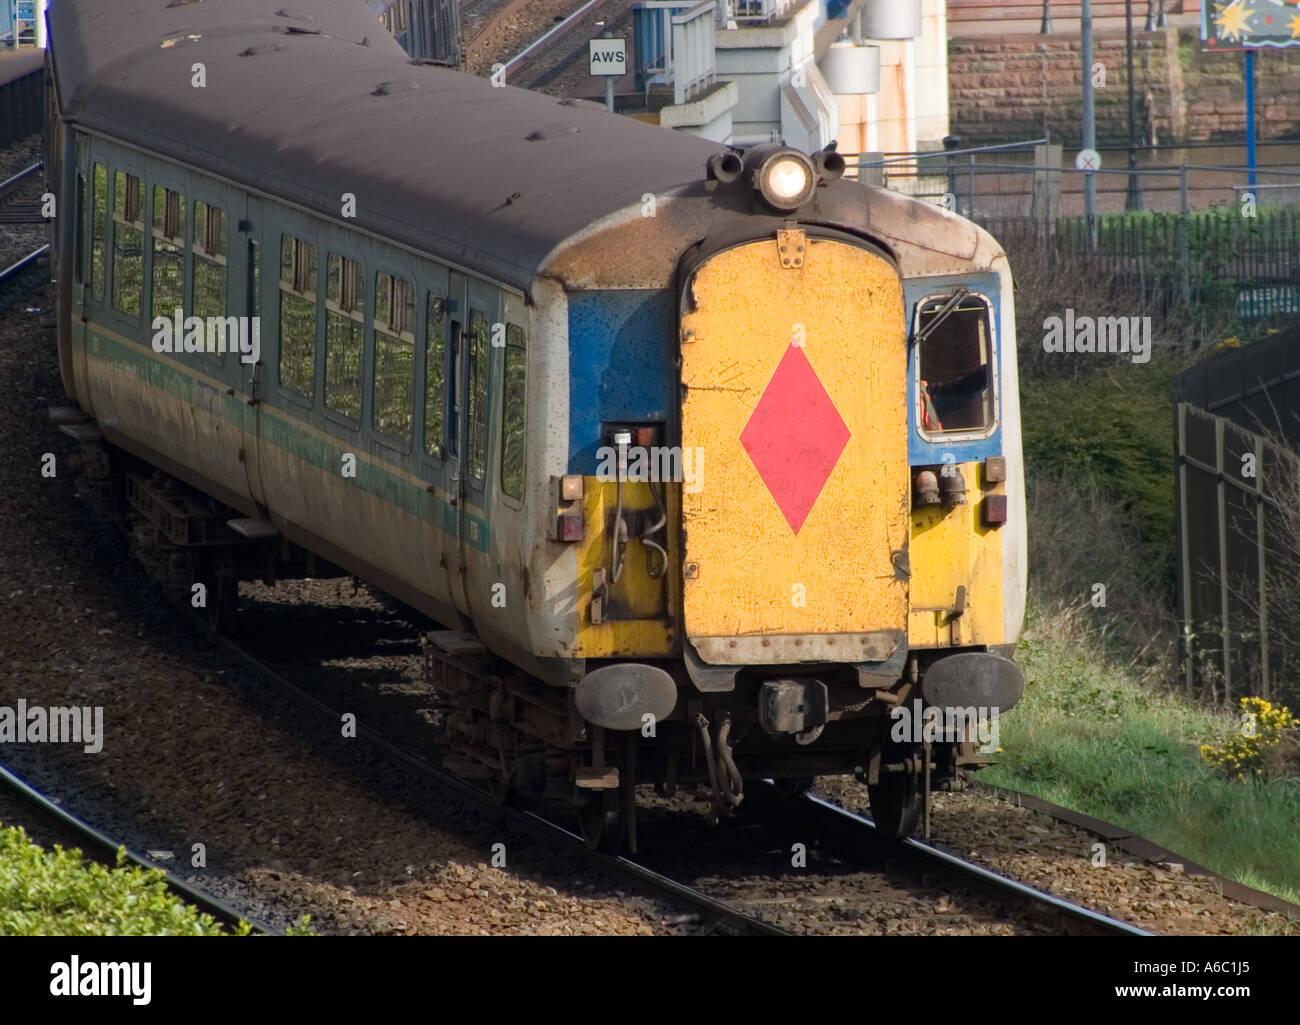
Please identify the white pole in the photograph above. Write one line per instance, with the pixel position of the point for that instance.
(40, 23)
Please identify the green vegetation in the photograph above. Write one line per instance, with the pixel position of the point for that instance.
(1110, 432)
(1089, 736)
(56, 893)
(1103, 727)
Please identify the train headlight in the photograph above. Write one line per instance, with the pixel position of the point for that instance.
(786, 180)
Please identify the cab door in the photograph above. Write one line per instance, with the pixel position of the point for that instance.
(793, 384)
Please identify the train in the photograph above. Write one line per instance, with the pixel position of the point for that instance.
(704, 461)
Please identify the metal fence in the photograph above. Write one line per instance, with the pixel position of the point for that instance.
(1204, 238)
(1215, 258)
(1233, 555)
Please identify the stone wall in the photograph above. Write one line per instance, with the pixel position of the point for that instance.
(1010, 87)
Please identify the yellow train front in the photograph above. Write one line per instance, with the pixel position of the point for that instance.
(810, 559)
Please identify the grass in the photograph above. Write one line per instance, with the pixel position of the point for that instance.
(1088, 736)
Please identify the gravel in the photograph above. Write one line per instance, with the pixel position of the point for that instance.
(1039, 851)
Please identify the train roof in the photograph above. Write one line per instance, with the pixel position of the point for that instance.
(14, 64)
(316, 100)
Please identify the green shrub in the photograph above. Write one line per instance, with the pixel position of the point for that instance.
(44, 893)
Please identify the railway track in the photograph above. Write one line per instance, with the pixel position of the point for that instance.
(17, 213)
(28, 212)
(639, 876)
(831, 820)
(484, 53)
(851, 836)
(96, 840)
(30, 260)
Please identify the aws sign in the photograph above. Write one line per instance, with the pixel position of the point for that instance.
(608, 56)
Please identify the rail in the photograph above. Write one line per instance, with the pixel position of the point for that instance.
(1072, 918)
(204, 901)
(530, 822)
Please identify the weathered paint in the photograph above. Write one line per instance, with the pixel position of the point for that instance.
(620, 365)
(808, 572)
(152, 395)
(640, 615)
(952, 548)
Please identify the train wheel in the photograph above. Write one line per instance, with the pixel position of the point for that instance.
(898, 799)
(601, 820)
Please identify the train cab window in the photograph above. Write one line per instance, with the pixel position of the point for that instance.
(955, 368)
(435, 372)
(168, 252)
(477, 394)
(513, 408)
(394, 356)
(298, 315)
(128, 243)
(210, 263)
(99, 206)
(345, 332)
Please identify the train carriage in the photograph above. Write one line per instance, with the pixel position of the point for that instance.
(706, 462)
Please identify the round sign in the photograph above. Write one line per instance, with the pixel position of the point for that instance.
(1088, 160)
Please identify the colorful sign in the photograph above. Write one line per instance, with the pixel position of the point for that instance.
(1250, 24)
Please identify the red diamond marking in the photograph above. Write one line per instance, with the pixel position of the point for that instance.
(795, 437)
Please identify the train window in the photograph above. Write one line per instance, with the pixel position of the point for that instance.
(128, 243)
(80, 259)
(210, 264)
(513, 407)
(394, 356)
(345, 332)
(298, 315)
(955, 368)
(453, 386)
(477, 389)
(435, 372)
(98, 208)
(168, 252)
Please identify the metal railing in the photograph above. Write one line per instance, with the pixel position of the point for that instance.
(752, 11)
(693, 54)
(1204, 238)
(674, 45)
